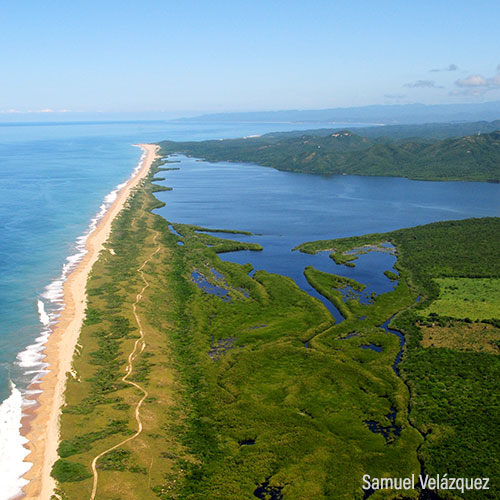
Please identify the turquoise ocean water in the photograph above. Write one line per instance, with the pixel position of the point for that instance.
(56, 179)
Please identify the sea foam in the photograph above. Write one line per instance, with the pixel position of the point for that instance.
(31, 359)
(12, 465)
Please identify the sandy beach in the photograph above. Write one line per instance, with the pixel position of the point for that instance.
(41, 423)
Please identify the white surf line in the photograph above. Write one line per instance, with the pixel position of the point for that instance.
(67, 304)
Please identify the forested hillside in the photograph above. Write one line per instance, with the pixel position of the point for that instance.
(469, 158)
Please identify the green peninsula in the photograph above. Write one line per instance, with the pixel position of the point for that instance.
(469, 158)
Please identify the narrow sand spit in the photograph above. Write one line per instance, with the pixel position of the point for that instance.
(41, 424)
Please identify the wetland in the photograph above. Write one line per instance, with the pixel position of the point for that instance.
(283, 355)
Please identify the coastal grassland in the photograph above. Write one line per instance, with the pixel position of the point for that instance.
(474, 298)
(450, 365)
(251, 385)
(99, 410)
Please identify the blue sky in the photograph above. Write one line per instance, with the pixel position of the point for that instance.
(205, 56)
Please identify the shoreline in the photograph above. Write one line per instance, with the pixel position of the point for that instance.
(40, 422)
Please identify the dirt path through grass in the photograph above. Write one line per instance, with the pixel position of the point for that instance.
(129, 372)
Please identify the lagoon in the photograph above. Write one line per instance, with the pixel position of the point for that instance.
(284, 209)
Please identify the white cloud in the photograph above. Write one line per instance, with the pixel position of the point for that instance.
(472, 81)
(477, 85)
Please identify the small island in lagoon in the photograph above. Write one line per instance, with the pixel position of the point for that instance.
(241, 385)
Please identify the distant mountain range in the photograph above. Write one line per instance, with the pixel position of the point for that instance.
(471, 158)
(377, 114)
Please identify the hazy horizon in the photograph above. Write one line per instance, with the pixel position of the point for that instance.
(193, 58)
(348, 115)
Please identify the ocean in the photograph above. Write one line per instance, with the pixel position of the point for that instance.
(56, 180)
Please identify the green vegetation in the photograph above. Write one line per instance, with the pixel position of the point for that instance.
(328, 285)
(99, 410)
(302, 411)
(391, 275)
(83, 442)
(258, 384)
(422, 131)
(451, 366)
(66, 471)
(120, 460)
(470, 158)
(346, 250)
(474, 298)
(205, 229)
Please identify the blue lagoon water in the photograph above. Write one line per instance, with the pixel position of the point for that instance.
(54, 179)
(284, 209)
